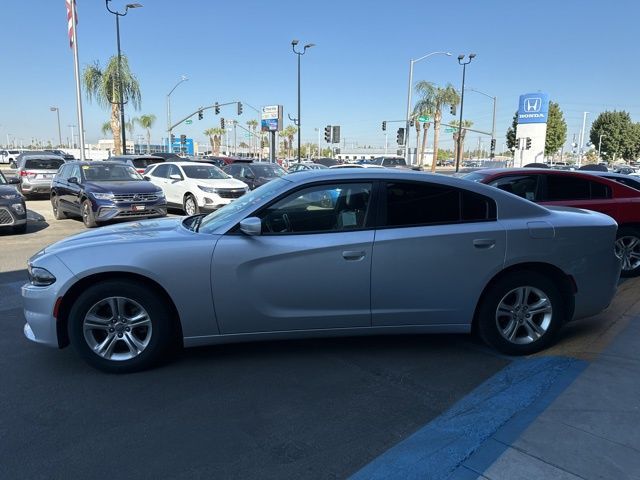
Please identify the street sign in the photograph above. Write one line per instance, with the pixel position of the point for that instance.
(450, 130)
(188, 122)
(424, 118)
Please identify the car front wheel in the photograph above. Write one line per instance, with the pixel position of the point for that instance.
(58, 213)
(191, 205)
(120, 326)
(521, 313)
(88, 217)
(627, 249)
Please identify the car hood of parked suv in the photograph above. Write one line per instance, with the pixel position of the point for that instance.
(8, 190)
(220, 182)
(133, 186)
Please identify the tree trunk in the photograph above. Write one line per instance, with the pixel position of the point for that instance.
(148, 141)
(437, 118)
(115, 129)
(424, 141)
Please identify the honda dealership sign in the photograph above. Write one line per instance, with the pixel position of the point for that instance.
(531, 134)
(533, 108)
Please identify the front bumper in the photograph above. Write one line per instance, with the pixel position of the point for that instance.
(9, 217)
(107, 210)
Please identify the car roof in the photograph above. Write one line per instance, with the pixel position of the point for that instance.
(183, 163)
(46, 156)
(92, 162)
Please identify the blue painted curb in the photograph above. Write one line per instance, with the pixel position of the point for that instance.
(438, 448)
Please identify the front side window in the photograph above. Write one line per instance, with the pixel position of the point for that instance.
(161, 171)
(174, 170)
(204, 172)
(417, 204)
(525, 186)
(321, 208)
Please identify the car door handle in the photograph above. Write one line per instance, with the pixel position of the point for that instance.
(353, 255)
(484, 243)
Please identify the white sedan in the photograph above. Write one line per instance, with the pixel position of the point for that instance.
(194, 186)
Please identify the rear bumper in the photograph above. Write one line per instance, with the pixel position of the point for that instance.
(40, 187)
(597, 287)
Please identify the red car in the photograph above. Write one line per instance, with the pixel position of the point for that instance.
(580, 190)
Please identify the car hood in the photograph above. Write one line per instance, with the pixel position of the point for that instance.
(142, 232)
(222, 183)
(135, 186)
(8, 190)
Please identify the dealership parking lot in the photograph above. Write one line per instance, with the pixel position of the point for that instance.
(296, 409)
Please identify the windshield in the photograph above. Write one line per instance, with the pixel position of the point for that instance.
(43, 163)
(3, 181)
(246, 202)
(267, 170)
(109, 173)
(205, 172)
(474, 176)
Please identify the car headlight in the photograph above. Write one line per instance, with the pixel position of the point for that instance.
(160, 194)
(18, 208)
(40, 277)
(207, 189)
(103, 196)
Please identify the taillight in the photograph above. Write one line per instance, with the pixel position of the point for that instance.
(24, 173)
(140, 170)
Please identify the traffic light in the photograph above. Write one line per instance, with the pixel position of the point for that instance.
(335, 137)
(384, 126)
(452, 109)
(411, 123)
(183, 139)
(217, 108)
(528, 143)
(222, 123)
(327, 134)
(493, 144)
(239, 108)
(200, 115)
(173, 138)
(517, 143)
(400, 136)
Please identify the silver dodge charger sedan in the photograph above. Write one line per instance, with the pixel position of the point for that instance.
(346, 252)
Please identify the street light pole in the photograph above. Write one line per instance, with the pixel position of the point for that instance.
(493, 124)
(464, 71)
(408, 118)
(183, 78)
(584, 121)
(299, 54)
(600, 145)
(121, 101)
(57, 110)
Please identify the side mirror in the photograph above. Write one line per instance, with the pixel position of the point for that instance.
(175, 176)
(73, 180)
(146, 177)
(13, 180)
(249, 176)
(251, 226)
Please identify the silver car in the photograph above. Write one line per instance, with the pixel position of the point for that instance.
(36, 172)
(331, 253)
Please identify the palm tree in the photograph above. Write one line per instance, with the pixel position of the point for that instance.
(288, 133)
(252, 124)
(106, 128)
(215, 138)
(146, 122)
(433, 99)
(102, 84)
(463, 132)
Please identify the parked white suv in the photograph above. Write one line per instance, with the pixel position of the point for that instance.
(195, 186)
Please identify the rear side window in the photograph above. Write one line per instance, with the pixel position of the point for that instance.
(566, 187)
(525, 186)
(413, 204)
(43, 163)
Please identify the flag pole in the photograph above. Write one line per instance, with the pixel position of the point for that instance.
(77, 74)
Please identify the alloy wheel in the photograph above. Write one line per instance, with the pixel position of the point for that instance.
(190, 206)
(524, 315)
(627, 249)
(117, 328)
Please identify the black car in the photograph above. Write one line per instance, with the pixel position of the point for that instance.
(67, 156)
(101, 191)
(13, 212)
(254, 174)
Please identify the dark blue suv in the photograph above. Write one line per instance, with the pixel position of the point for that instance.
(101, 191)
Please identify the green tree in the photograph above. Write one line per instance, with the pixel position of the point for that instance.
(617, 133)
(215, 138)
(511, 132)
(465, 124)
(556, 130)
(146, 122)
(432, 100)
(106, 128)
(288, 133)
(103, 86)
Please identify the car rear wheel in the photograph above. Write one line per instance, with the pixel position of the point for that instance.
(521, 313)
(190, 205)
(121, 326)
(627, 249)
(88, 217)
(58, 213)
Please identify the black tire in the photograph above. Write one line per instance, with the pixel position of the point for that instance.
(490, 325)
(58, 213)
(185, 205)
(627, 244)
(88, 217)
(19, 229)
(162, 334)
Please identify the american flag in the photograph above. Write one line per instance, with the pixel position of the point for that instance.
(70, 22)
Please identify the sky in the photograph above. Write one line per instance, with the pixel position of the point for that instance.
(582, 53)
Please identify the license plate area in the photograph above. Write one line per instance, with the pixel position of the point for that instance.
(138, 208)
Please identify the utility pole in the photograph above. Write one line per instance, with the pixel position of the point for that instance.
(584, 121)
